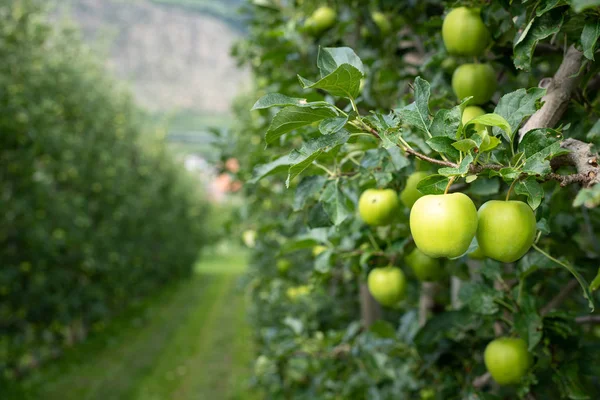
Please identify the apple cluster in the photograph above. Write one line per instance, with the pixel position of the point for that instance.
(465, 34)
(325, 17)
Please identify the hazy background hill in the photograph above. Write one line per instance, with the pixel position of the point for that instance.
(174, 53)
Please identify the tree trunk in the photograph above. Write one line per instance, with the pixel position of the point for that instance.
(369, 308)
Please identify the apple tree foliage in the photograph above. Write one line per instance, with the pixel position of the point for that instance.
(95, 215)
(349, 108)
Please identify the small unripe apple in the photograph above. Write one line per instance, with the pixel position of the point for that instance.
(322, 19)
(283, 265)
(472, 112)
(410, 194)
(464, 33)
(506, 229)
(477, 80)
(507, 360)
(426, 269)
(382, 22)
(443, 225)
(387, 285)
(377, 207)
(318, 249)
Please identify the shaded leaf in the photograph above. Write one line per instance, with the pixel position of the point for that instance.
(531, 188)
(335, 202)
(516, 106)
(308, 187)
(294, 117)
(433, 184)
(416, 114)
(541, 27)
(589, 37)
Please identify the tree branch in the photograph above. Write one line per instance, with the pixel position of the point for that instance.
(588, 319)
(557, 97)
(560, 297)
(583, 159)
(426, 302)
(482, 380)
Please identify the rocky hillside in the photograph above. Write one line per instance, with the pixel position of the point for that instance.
(174, 58)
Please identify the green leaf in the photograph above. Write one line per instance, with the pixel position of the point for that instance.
(310, 151)
(539, 146)
(308, 187)
(335, 202)
(516, 106)
(323, 262)
(416, 114)
(494, 120)
(399, 160)
(296, 244)
(444, 144)
(447, 122)
(491, 145)
(262, 170)
(464, 145)
(569, 381)
(485, 187)
(532, 262)
(277, 99)
(294, 117)
(331, 58)
(343, 82)
(589, 37)
(589, 197)
(462, 169)
(480, 298)
(440, 325)
(541, 27)
(433, 184)
(596, 282)
(580, 5)
(531, 188)
(383, 329)
(547, 5)
(332, 125)
(530, 327)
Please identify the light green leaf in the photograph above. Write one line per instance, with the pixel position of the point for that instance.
(595, 285)
(307, 188)
(494, 120)
(516, 106)
(294, 117)
(277, 99)
(532, 189)
(589, 197)
(580, 5)
(589, 37)
(331, 58)
(332, 125)
(462, 169)
(335, 202)
(542, 27)
(464, 145)
(433, 184)
(262, 170)
(343, 82)
(416, 114)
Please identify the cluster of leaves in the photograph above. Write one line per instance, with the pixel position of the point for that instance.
(369, 115)
(94, 214)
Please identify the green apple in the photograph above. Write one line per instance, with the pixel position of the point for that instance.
(472, 112)
(322, 19)
(443, 225)
(506, 229)
(249, 238)
(426, 269)
(283, 265)
(477, 80)
(507, 360)
(476, 254)
(410, 194)
(382, 22)
(387, 285)
(318, 249)
(464, 33)
(378, 207)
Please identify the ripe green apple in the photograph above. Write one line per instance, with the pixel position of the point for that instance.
(318, 249)
(476, 254)
(464, 33)
(506, 229)
(322, 19)
(443, 225)
(382, 22)
(507, 360)
(387, 285)
(410, 194)
(477, 80)
(377, 207)
(426, 269)
(283, 265)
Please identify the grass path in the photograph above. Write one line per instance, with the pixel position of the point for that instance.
(190, 342)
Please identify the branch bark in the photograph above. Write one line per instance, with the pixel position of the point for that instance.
(557, 97)
(560, 297)
(426, 301)
(588, 319)
(369, 309)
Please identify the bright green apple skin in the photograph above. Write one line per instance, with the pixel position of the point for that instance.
(318, 249)
(322, 19)
(477, 80)
(387, 285)
(426, 269)
(472, 112)
(506, 229)
(382, 22)
(443, 225)
(283, 265)
(464, 33)
(507, 360)
(410, 194)
(377, 207)
(477, 254)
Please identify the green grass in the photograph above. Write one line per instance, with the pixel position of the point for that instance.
(189, 342)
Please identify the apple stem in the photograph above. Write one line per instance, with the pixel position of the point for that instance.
(450, 181)
(510, 189)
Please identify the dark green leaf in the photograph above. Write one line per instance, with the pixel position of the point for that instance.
(447, 122)
(383, 329)
(580, 5)
(337, 205)
(332, 125)
(343, 82)
(294, 117)
(443, 144)
(433, 184)
(540, 28)
(531, 188)
(589, 37)
(398, 159)
(530, 327)
(516, 106)
(307, 188)
(485, 187)
(480, 298)
(416, 114)
(323, 262)
(547, 5)
(462, 169)
(262, 170)
(277, 99)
